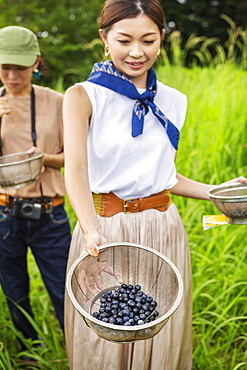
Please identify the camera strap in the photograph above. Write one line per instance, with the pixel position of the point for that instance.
(33, 126)
(33, 130)
(2, 94)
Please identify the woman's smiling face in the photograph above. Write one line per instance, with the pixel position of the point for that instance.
(134, 45)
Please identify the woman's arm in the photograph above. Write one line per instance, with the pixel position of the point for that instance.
(77, 111)
(50, 160)
(197, 190)
(54, 160)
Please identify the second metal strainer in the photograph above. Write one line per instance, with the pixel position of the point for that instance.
(137, 264)
(19, 169)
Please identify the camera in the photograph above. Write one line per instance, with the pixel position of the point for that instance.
(26, 209)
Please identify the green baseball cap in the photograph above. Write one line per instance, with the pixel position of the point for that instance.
(18, 45)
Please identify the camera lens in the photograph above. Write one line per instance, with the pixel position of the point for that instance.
(27, 209)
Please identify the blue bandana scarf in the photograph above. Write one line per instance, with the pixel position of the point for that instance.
(104, 74)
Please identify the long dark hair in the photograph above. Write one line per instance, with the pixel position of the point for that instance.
(115, 10)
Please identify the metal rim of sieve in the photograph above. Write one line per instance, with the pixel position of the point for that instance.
(227, 198)
(33, 156)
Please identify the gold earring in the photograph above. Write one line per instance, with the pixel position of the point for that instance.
(107, 51)
(158, 52)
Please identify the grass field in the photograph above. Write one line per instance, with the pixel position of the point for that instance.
(213, 149)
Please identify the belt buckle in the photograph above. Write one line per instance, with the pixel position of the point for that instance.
(48, 207)
(125, 205)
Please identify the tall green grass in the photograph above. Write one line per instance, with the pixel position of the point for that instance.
(212, 149)
(208, 51)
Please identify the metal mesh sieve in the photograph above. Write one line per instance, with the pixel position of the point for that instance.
(19, 169)
(136, 264)
(231, 200)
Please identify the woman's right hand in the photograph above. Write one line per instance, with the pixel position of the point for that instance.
(90, 277)
(4, 106)
(92, 241)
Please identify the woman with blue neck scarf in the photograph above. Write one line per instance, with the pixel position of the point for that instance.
(121, 135)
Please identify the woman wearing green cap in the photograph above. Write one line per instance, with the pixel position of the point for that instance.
(31, 120)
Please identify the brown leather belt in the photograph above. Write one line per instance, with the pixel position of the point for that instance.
(7, 200)
(108, 204)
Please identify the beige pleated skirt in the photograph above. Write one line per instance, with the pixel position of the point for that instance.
(171, 349)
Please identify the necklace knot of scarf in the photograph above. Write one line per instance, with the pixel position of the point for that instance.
(104, 74)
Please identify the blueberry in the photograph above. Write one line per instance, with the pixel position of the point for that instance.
(130, 286)
(138, 306)
(149, 299)
(103, 300)
(105, 319)
(137, 287)
(124, 286)
(112, 320)
(119, 321)
(104, 315)
(153, 304)
(138, 299)
(127, 323)
(135, 310)
(140, 322)
(145, 307)
(96, 315)
(126, 312)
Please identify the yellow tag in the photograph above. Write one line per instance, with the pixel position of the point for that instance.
(209, 221)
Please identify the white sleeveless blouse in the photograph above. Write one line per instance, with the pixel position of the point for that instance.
(131, 167)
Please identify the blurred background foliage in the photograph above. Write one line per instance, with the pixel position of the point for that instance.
(199, 32)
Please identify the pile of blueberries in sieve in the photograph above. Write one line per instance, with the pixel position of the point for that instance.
(127, 305)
